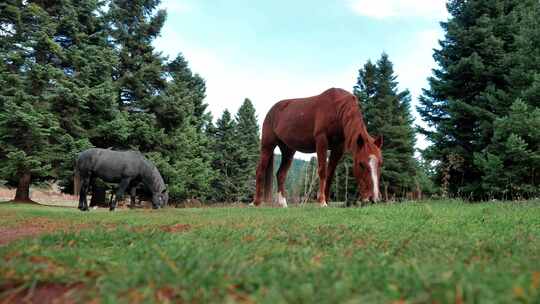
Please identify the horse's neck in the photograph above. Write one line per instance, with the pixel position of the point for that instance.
(353, 126)
(152, 179)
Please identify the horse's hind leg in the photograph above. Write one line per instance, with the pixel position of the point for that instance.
(120, 192)
(132, 197)
(111, 198)
(85, 183)
(287, 156)
(267, 157)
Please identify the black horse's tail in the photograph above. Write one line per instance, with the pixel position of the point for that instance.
(76, 179)
(268, 178)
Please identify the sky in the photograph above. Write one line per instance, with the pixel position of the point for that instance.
(276, 49)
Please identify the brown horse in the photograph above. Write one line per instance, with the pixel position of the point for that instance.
(329, 121)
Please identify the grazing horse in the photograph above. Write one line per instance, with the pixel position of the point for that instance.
(123, 167)
(329, 121)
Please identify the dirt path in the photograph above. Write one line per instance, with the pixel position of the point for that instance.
(33, 228)
(44, 293)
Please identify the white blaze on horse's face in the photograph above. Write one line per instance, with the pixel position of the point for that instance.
(374, 176)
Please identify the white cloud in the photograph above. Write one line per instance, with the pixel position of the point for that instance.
(382, 9)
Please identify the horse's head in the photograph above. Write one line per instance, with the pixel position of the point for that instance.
(160, 199)
(367, 167)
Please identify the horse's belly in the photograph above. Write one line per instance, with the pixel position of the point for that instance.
(302, 145)
(111, 173)
(108, 178)
(297, 133)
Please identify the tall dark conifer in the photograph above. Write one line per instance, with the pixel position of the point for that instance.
(510, 164)
(181, 112)
(139, 76)
(247, 141)
(225, 163)
(480, 75)
(40, 100)
(87, 108)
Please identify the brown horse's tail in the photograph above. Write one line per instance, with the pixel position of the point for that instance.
(268, 178)
(76, 180)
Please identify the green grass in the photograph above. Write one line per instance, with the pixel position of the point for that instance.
(443, 252)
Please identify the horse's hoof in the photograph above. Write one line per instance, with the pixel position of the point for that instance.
(282, 201)
(324, 204)
(111, 209)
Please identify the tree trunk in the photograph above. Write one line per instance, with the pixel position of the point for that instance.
(23, 188)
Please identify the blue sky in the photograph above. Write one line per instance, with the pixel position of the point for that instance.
(272, 50)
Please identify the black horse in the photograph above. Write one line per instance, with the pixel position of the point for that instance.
(123, 167)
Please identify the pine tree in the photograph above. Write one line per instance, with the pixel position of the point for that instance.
(525, 63)
(478, 79)
(247, 141)
(511, 164)
(138, 77)
(389, 114)
(181, 113)
(225, 161)
(386, 111)
(195, 91)
(87, 109)
(35, 78)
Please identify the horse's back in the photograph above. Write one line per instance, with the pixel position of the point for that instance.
(297, 121)
(327, 100)
(109, 164)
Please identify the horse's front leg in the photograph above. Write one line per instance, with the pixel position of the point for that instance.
(335, 156)
(322, 148)
(85, 183)
(120, 192)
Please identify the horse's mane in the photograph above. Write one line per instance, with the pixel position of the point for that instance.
(353, 122)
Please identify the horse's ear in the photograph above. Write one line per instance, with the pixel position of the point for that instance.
(379, 141)
(164, 190)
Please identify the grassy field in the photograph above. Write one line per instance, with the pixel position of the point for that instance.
(437, 252)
